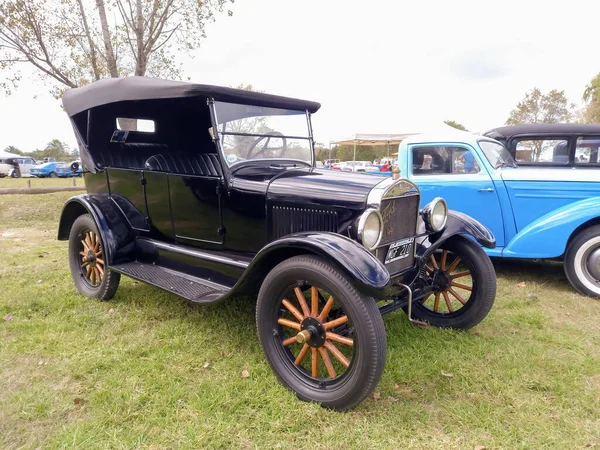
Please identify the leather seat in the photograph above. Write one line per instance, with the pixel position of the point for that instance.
(129, 155)
(185, 163)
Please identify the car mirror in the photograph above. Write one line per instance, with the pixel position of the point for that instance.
(74, 166)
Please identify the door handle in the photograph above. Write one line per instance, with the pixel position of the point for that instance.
(485, 190)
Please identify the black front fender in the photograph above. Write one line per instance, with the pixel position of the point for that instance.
(114, 229)
(457, 224)
(363, 270)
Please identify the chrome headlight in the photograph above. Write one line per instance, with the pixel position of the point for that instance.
(370, 228)
(435, 214)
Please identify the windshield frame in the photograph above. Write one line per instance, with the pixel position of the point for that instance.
(507, 163)
(216, 136)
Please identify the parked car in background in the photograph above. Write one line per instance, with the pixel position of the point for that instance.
(72, 169)
(558, 145)
(7, 166)
(358, 166)
(48, 169)
(551, 213)
(211, 216)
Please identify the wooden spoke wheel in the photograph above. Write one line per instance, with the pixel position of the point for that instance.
(87, 261)
(463, 283)
(324, 340)
(92, 264)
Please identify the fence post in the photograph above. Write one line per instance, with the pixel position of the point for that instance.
(74, 184)
(29, 184)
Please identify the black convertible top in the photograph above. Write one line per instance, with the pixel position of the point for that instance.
(113, 90)
(543, 128)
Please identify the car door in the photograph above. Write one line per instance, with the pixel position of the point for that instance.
(26, 167)
(456, 173)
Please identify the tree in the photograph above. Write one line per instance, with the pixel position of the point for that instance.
(591, 95)
(71, 43)
(456, 125)
(536, 107)
(14, 150)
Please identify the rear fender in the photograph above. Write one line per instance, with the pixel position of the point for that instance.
(114, 229)
(548, 236)
(362, 269)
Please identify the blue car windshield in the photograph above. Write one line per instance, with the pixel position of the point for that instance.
(497, 154)
(248, 132)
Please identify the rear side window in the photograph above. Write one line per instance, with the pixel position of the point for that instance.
(545, 151)
(443, 160)
(132, 124)
(586, 151)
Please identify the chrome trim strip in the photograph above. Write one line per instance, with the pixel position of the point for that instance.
(390, 188)
(197, 253)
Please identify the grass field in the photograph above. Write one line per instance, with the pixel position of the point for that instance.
(149, 370)
(40, 182)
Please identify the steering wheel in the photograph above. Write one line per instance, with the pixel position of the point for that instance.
(264, 148)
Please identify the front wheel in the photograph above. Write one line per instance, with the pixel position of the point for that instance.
(323, 339)
(582, 262)
(90, 274)
(53, 175)
(16, 173)
(464, 286)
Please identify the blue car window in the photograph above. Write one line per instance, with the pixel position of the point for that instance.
(443, 160)
(586, 151)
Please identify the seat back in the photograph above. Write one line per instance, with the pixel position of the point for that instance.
(206, 164)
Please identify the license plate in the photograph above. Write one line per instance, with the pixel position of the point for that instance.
(399, 250)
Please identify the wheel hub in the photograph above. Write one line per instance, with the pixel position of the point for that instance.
(91, 258)
(441, 280)
(593, 263)
(312, 332)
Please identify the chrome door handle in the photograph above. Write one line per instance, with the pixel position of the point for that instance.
(485, 190)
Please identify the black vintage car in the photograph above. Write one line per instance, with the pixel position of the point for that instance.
(211, 192)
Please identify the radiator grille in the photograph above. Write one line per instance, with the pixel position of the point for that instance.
(287, 220)
(399, 221)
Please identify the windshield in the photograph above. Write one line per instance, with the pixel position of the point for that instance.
(249, 132)
(497, 154)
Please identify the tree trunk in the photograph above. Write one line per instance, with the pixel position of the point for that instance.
(140, 66)
(86, 28)
(110, 55)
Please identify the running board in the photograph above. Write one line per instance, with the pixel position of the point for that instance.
(191, 288)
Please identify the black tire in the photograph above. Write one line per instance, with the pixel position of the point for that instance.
(482, 287)
(364, 328)
(16, 174)
(53, 175)
(582, 261)
(103, 288)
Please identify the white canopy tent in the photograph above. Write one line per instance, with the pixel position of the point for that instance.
(8, 155)
(392, 139)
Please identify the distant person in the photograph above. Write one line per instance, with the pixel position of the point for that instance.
(468, 161)
(384, 167)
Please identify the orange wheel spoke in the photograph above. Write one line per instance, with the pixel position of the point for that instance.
(85, 246)
(93, 277)
(292, 309)
(334, 323)
(99, 254)
(339, 355)
(462, 286)
(314, 301)
(97, 246)
(302, 354)
(433, 262)
(89, 272)
(98, 260)
(315, 363)
(289, 341)
(84, 264)
(326, 309)
(428, 269)
(302, 301)
(453, 265)
(289, 324)
(448, 303)
(457, 296)
(100, 269)
(424, 299)
(436, 303)
(460, 274)
(327, 361)
(83, 254)
(338, 338)
(443, 262)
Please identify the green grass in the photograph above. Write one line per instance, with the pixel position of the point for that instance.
(78, 373)
(39, 182)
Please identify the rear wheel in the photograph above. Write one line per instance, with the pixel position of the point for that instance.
(87, 261)
(16, 173)
(323, 340)
(53, 175)
(582, 262)
(464, 286)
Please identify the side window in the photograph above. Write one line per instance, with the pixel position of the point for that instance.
(531, 151)
(140, 125)
(586, 151)
(443, 160)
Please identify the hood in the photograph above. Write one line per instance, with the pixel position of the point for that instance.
(323, 187)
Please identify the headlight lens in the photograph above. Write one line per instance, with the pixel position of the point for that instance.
(435, 214)
(370, 228)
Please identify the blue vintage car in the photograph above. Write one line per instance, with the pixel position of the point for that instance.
(45, 170)
(533, 212)
(65, 170)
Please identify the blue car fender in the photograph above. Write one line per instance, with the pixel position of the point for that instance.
(547, 237)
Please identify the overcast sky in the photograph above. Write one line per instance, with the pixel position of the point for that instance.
(375, 66)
